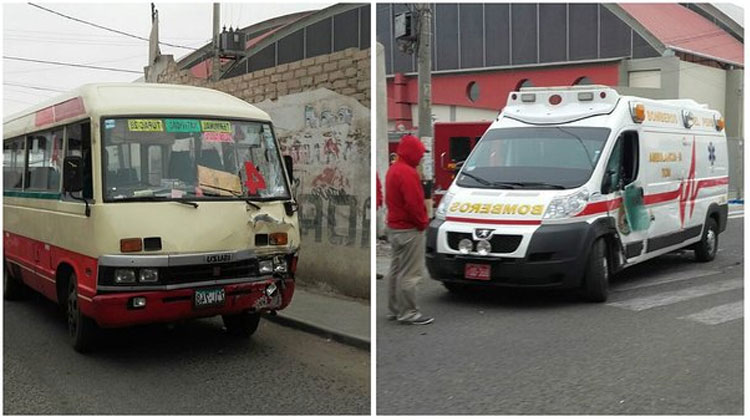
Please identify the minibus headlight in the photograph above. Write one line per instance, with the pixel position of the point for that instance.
(443, 206)
(566, 206)
(265, 266)
(148, 275)
(279, 264)
(124, 276)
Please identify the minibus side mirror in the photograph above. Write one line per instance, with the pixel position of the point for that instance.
(73, 174)
(457, 166)
(289, 168)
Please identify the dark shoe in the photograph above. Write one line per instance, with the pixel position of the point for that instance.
(391, 317)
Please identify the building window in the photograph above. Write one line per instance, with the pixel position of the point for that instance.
(524, 83)
(472, 91)
(583, 80)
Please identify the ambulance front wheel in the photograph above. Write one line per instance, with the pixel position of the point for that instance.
(596, 278)
(705, 250)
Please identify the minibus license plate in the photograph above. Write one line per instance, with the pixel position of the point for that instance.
(209, 297)
(477, 271)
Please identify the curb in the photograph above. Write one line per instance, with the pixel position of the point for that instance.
(320, 330)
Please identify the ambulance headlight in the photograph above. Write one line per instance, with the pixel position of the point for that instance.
(443, 206)
(484, 247)
(567, 206)
(465, 246)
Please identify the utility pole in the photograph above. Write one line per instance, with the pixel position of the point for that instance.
(424, 75)
(215, 63)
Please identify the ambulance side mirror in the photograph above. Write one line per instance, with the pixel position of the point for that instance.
(607, 182)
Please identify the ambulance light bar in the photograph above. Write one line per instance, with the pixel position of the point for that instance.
(585, 96)
(528, 97)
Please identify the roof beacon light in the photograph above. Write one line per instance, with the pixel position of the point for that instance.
(585, 96)
(637, 112)
(528, 97)
(719, 123)
(555, 100)
(688, 119)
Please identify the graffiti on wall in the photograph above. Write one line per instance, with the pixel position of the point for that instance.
(327, 136)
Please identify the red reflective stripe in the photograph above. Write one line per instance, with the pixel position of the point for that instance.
(493, 221)
(59, 112)
(69, 108)
(706, 183)
(600, 207)
(661, 197)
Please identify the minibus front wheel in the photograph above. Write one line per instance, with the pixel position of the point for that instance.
(81, 328)
(596, 279)
(241, 325)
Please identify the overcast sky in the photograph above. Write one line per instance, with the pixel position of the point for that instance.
(29, 32)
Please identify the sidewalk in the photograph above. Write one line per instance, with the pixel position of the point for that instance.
(338, 318)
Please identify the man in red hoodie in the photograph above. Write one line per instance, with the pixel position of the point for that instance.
(406, 220)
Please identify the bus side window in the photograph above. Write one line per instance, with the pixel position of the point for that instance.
(14, 160)
(44, 161)
(79, 144)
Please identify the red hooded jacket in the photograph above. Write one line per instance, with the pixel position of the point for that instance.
(404, 195)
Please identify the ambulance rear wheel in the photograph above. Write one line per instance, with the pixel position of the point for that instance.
(82, 329)
(241, 325)
(596, 278)
(705, 250)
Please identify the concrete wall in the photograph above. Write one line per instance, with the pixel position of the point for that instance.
(381, 120)
(451, 113)
(706, 85)
(320, 108)
(328, 137)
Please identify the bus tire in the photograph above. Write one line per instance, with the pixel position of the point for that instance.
(596, 277)
(705, 250)
(13, 288)
(81, 329)
(241, 325)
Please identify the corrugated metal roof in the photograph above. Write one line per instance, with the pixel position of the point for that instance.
(684, 30)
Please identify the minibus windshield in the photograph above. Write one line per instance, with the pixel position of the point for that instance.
(196, 158)
(534, 158)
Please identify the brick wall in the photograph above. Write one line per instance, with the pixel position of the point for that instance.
(346, 72)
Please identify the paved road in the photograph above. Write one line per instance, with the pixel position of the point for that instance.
(669, 341)
(192, 369)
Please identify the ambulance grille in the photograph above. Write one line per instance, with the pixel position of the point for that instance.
(501, 244)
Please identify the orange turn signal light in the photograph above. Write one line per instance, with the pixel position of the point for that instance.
(278, 238)
(131, 245)
(720, 124)
(638, 112)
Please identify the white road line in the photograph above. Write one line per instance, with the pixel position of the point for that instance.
(663, 279)
(735, 216)
(718, 314)
(668, 298)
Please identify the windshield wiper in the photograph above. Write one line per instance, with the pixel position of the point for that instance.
(158, 198)
(541, 184)
(478, 179)
(247, 200)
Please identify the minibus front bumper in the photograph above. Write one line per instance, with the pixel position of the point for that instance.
(117, 309)
(556, 258)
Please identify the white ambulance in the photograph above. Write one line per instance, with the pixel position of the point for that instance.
(570, 185)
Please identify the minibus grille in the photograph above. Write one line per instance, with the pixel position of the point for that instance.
(204, 272)
(501, 244)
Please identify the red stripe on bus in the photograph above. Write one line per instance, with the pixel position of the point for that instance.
(493, 221)
(60, 112)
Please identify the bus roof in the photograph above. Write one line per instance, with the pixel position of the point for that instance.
(112, 99)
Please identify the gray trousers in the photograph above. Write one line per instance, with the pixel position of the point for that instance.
(407, 264)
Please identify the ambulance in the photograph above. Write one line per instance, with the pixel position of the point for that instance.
(570, 185)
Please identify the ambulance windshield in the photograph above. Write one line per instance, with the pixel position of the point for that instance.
(534, 158)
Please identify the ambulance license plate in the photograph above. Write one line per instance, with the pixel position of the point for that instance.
(477, 271)
(205, 298)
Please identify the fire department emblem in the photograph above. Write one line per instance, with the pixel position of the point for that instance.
(483, 233)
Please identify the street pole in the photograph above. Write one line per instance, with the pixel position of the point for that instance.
(424, 70)
(215, 64)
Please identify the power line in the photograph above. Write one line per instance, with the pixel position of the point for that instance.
(33, 87)
(106, 28)
(59, 63)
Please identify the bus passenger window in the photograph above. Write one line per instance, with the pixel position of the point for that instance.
(79, 144)
(14, 160)
(45, 163)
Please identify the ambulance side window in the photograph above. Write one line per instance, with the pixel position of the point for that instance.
(622, 167)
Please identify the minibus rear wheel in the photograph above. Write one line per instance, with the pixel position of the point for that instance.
(81, 328)
(596, 279)
(241, 325)
(13, 288)
(705, 250)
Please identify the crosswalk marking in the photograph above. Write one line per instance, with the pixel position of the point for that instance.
(668, 298)
(718, 314)
(663, 279)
